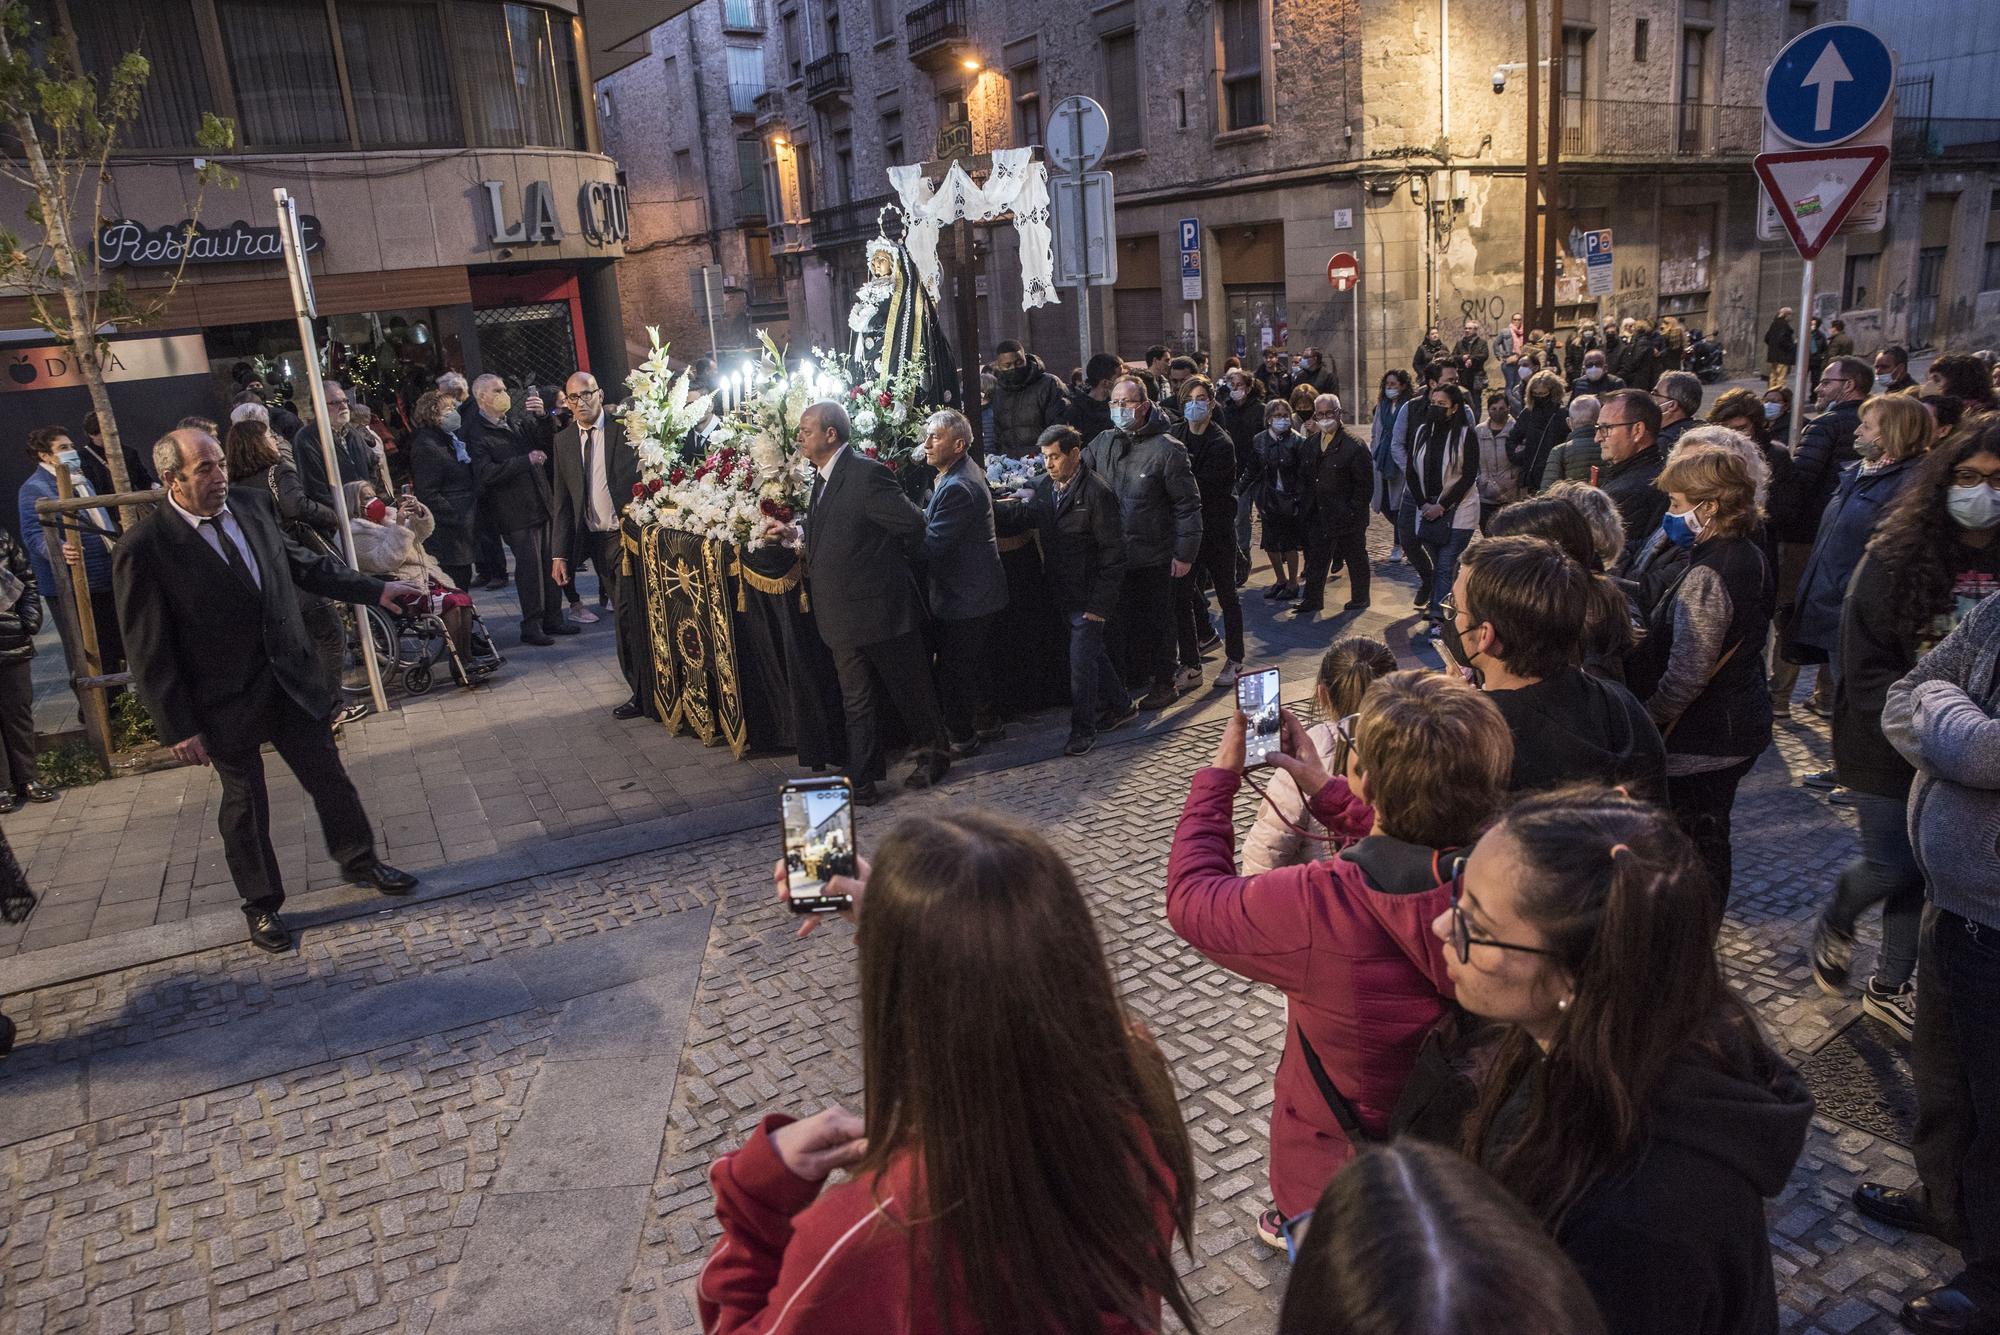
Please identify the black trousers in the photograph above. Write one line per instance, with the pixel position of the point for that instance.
(488, 555)
(965, 676)
(1218, 560)
(904, 670)
(607, 556)
(541, 603)
(1142, 629)
(329, 637)
(1701, 804)
(1326, 554)
(1956, 1056)
(17, 721)
(306, 746)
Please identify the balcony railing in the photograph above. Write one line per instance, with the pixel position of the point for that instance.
(827, 77)
(791, 238)
(1928, 138)
(1595, 127)
(935, 31)
(853, 221)
(743, 97)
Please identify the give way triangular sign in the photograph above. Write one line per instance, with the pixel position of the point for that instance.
(1814, 189)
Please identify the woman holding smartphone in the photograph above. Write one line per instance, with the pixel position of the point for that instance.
(1031, 1184)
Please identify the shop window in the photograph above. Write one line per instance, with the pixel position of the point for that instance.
(518, 65)
(1256, 319)
(1123, 97)
(1242, 71)
(1027, 85)
(281, 60)
(1857, 292)
(171, 103)
(530, 342)
(397, 68)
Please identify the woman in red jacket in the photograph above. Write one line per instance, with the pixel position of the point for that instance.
(1022, 1165)
(1347, 938)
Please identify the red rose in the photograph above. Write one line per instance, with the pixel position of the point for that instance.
(638, 491)
(785, 514)
(654, 487)
(892, 465)
(884, 399)
(675, 478)
(777, 510)
(855, 393)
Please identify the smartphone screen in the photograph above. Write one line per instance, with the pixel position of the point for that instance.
(819, 841)
(1257, 697)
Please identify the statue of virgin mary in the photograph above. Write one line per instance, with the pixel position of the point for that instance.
(895, 323)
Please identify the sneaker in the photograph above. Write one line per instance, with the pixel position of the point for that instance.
(1290, 591)
(1079, 743)
(1271, 1228)
(1187, 679)
(1209, 641)
(1227, 677)
(1822, 779)
(343, 717)
(1894, 1007)
(1159, 697)
(1831, 955)
(1275, 591)
(1113, 719)
(583, 614)
(1396, 556)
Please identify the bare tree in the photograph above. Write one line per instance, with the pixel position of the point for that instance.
(64, 128)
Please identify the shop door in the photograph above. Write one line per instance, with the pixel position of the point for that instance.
(530, 343)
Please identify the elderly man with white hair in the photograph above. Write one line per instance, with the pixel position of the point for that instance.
(489, 551)
(1339, 472)
(510, 457)
(964, 582)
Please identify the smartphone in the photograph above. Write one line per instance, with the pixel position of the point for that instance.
(819, 841)
(1257, 697)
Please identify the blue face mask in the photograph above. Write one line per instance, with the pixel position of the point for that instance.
(1681, 530)
(449, 422)
(1772, 410)
(1197, 411)
(1122, 417)
(69, 459)
(1281, 426)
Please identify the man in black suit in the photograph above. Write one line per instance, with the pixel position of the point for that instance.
(860, 532)
(208, 599)
(595, 473)
(510, 460)
(964, 579)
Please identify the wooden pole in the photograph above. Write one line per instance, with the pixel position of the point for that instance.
(1552, 179)
(90, 699)
(966, 319)
(1531, 249)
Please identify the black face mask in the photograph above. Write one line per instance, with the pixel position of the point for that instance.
(1455, 651)
(1015, 377)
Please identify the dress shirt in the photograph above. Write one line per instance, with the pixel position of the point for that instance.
(599, 511)
(81, 485)
(231, 527)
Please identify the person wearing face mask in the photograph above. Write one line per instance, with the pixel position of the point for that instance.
(1700, 668)
(441, 472)
(1027, 400)
(1498, 482)
(1825, 447)
(1339, 481)
(1281, 499)
(1241, 407)
(509, 459)
(1516, 626)
(1441, 502)
(1315, 370)
(1596, 377)
(1391, 395)
(1892, 371)
(89, 546)
(1212, 459)
(1536, 432)
(389, 541)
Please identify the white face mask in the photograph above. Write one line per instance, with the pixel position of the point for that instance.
(1593, 373)
(1976, 507)
(1327, 425)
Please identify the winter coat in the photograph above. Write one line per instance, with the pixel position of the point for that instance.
(1446, 476)
(1874, 655)
(1429, 352)
(1606, 384)
(1572, 460)
(1629, 484)
(1212, 459)
(1285, 833)
(1576, 728)
(1026, 402)
(448, 489)
(1339, 481)
(513, 489)
(1244, 421)
(352, 450)
(1858, 504)
(1534, 435)
(1382, 452)
(1719, 609)
(845, 1258)
(1826, 446)
(1781, 343)
(395, 549)
(1148, 471)
(1498, 482)
(1083, 541)
(1091, 417)
(1944, 717)
(1674, 1240)
(1347, 939)
(1281, 489)
(1638, 362)
(20, 622)
(1324, 379)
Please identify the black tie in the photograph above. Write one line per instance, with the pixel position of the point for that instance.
(232, 553)
(819, 485)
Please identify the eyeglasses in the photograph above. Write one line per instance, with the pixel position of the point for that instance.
(1462, 939)
(1972, 477)
(1603, 427)
(588, 394)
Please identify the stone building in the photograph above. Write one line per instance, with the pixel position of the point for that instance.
(1287, 129)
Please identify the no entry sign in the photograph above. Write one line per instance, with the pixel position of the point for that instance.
(1343, 271)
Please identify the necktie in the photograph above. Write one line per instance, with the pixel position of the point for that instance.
(819, 485)
(231, 552)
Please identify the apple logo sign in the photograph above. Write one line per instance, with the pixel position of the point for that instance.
(22, 370)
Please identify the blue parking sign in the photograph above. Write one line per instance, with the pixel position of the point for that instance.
(1828, 84)
(1190, 234)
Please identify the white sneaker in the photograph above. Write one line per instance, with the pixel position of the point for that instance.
(1395, 556)
(1897, 1009)
(1227, 677)
(1187, 679)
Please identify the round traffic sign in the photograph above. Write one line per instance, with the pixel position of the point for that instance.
(1828, 84)
(1077, 134)
(1343, 271)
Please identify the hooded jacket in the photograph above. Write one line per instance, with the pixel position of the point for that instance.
(1026, 402)
(1576, 728)
(1161, 506)
(1674, 1241)
(1091, 417)
(1858, 504)
(1944, 717)
(1347, 939)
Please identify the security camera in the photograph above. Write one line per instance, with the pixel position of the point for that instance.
(1499, 79)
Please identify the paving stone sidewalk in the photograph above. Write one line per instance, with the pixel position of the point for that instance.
(494, 1112)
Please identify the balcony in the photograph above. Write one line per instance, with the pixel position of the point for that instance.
(791, 238)
(938, 34)
(769, 109)
(839, 224)
(744, 98)
(1595, 127)
(827, 79)
(1946, 138)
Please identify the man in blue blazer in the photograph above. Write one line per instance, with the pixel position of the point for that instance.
(963, 580)
(52, 447)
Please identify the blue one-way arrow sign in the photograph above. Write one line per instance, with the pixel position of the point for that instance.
(1828, 84)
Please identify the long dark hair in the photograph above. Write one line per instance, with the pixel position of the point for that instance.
(1918, 540)
(1044, 1127)
(1609, 633)
(1628, 914)
(1412, 1238)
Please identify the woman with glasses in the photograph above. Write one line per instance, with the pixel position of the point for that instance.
(1347, 937)
(1632, 1104)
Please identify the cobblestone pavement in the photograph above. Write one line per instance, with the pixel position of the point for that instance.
(357, 1137)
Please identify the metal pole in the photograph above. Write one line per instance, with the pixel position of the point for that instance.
(288, 234)
(708, 307)
(1800, 389)
(1531, 250)
(1552, 167)
(1354, 309)
(1082, 254)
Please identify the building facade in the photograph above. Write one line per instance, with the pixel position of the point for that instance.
(1287, 130)
(461, 211)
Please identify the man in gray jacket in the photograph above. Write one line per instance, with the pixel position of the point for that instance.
(964, 581)
(1161, 510)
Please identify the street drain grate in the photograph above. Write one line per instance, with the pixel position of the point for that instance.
(1862, 1077)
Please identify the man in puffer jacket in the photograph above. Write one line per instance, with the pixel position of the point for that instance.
(1027, 400)
(1945, 719)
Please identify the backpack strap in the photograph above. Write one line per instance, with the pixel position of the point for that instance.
(1343, 1111)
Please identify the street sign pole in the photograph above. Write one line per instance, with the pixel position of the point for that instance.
(1801, 389)
(1354, 313)
(1082, 252)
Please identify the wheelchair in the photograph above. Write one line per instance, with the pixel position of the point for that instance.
(410, 646)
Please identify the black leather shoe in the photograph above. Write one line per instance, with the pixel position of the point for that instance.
(536, 638)
(867, 795)
(1896, 1207)
(563, 628)
(971, 746)
(496, 582)
(34, 792)
(387, 879)
(6, 1035)
(10, 803)
(630, 709)
(1951, 1310)
(268, 932)
(929, 771)
(1354, 607)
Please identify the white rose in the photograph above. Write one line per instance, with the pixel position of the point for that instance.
(897, 412)
(865, 423)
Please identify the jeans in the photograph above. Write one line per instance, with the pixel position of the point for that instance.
(1886, 874)
(1246, 504)
(1436, 563)
(1956, 1054)
(1701, 804)
(1218, 558)
(1094, 687)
